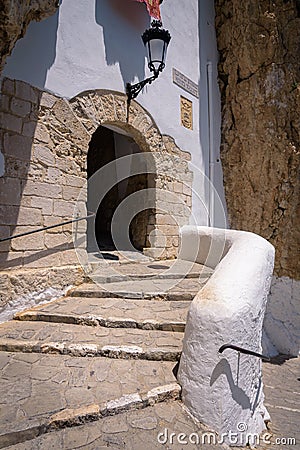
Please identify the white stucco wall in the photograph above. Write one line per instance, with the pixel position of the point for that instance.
(282, 321)
(87, 46)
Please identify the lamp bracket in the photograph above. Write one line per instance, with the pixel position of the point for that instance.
(133, 90)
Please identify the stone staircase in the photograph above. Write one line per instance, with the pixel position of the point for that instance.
(108, 347)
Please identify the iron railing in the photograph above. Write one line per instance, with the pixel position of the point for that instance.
(38, 230)
(243, 350)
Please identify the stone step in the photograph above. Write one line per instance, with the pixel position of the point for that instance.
(112, 313)
(78, 340)
(102, 272)
(170, 290)
(166, 425)
(43, 393)
(136, 277)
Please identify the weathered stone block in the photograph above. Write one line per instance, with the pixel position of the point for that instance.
(15, 168)
(4, 231)
(47, 100)
(66, 117)
(10, 191)
(5, 102)
(44, 155)
(29, 216)
(8, 86)
(31, 242)
(41, 134)
(69, 257)
(56, 240)
(8, 214)
(187, 190)
(29, 128)
(42, 189)
(20, 107)
(12, 260)
(10, 122)
(36, 172)
(17, 146)
(188, 201)
(177, 187)
(45, 204)
(26, 92)
(65, 276)
(53, 220)
(71, 193)
(71, 180)
(4, 288)
(63, 209)
(53, 176)
(46, 258)
(165, 219)
(169, 230)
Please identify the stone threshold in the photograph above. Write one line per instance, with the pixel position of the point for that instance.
(96, 320)
(78, 416)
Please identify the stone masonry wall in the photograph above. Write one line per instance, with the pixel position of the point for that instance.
(259, 45)
(37, 189)
(44, 140)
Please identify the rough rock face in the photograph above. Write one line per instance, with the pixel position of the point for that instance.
(259, 70)
(15, 18)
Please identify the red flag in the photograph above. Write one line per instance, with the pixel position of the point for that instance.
(153, 8)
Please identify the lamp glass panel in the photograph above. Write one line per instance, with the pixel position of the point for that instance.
(156, 53)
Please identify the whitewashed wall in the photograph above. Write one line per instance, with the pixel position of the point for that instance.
(87, 46)
(282, 321)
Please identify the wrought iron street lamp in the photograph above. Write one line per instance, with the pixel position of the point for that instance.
(156, 40)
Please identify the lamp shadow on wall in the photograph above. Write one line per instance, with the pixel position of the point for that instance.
(123, 22)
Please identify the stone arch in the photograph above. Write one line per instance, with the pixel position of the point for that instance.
(101, 107)
(70, 125)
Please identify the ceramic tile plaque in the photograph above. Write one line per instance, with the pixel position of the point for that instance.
(186, 110)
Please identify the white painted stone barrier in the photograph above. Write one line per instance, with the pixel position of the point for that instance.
(225, 391)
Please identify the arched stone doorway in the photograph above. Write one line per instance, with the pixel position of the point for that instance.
(97, 110)
(106, 146)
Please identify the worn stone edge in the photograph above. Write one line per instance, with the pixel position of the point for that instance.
(91, 350)
(96, 320)
(167, 296)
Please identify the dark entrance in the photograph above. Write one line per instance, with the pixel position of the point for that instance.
(106, 146)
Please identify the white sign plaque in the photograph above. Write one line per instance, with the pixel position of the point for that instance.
(185, 83)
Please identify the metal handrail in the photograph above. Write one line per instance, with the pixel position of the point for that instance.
(243, 350)
(38, 230)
